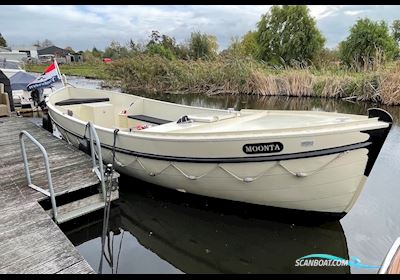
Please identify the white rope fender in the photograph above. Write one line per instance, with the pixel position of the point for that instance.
(304, 174)
(246, 179)
(150, 173)
(193, 177)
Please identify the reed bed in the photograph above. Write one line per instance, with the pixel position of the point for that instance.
(247, 76)
(389, 86)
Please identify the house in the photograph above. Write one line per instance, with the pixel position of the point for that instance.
(52, 51)
(31, 51)
(19, 53)
(74, 57)
(56, 51)
(62, 55)
(18, 56)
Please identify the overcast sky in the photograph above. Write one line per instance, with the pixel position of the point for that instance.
(83, 27)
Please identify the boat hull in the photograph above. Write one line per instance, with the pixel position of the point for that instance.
(320, 168)
(333, 188)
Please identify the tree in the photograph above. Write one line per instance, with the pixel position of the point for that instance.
(115, 51)
(203, 45)
(168, 42)
(47, 43)
(166, 46)
(159, 49)
(133, 46)
(37, 44)
(235, 49)
(368, 45)
(182, 51)
(68, 48)
(96, 52)
(90, 58)
(250, 44)
(161, 45)
(247, 46)
(396, 30)
(154, 37)
(327, 58)
(179, 50)
(288, 33)
(3, 42)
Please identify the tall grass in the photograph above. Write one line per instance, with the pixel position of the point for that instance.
(247, 76)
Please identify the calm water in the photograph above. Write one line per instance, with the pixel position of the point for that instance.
(154, 230)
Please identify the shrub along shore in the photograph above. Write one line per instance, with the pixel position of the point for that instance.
(248, 76)
(152, 73)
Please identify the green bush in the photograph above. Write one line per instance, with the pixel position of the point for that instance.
(287, 34)
(158, 49)
(368, 46)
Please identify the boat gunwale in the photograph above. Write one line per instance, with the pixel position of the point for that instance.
(239, 136)
(221, 136)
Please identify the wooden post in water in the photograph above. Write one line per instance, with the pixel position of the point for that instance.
(46, 121)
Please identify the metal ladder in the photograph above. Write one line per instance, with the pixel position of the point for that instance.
(80, 207)
(97, 159)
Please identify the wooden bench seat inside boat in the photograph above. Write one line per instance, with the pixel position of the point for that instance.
(148, 119)
(76, 101)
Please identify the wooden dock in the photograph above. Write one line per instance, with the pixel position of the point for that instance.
(30, 241)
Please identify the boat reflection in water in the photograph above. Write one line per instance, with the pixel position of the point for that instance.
(196, 234)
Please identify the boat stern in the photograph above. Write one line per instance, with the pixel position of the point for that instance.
(377, 136)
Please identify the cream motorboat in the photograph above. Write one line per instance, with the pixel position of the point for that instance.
(306, 160)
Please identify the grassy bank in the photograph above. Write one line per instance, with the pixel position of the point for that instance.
(246, 76)
(240, 76)
(94, 71)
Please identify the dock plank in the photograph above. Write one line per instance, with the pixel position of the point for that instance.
(16, 215)
(77, 268)
(30, 241)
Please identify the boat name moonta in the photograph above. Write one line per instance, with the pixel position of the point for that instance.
(263, 148)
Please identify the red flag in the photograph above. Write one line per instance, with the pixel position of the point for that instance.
(50, 76)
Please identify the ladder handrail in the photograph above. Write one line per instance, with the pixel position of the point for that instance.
(96, 151)
(47, 165)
